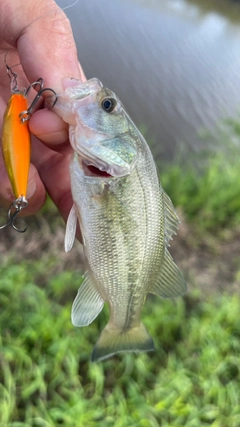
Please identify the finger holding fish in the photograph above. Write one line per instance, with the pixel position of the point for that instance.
(50, 129)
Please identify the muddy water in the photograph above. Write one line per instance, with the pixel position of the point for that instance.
(175, 64)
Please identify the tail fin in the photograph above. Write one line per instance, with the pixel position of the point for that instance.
(113, 341)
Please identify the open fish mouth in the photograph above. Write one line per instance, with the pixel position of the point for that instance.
(94, 171)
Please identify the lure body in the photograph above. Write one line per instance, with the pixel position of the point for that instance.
(16, 144)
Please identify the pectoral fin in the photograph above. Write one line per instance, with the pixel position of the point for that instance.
(87, 304)
(170, 282)
(70, 229)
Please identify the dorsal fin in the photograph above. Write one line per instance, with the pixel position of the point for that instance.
(171, 219)
(170, 283)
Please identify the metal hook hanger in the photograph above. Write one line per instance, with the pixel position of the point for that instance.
(13, 212)
(12, 77)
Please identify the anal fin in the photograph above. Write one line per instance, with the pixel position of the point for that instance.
(170, 282)
(87, 304)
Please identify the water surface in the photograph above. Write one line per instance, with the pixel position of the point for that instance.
(175, 64)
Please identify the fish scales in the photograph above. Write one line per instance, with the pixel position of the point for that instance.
(125, 217)
(116, 227)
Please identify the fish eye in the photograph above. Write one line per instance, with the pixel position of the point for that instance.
(109, 104)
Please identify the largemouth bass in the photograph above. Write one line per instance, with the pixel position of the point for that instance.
(126, 218)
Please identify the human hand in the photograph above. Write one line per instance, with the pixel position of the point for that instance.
(42, 36)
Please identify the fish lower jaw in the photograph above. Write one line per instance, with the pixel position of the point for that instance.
(100, 169)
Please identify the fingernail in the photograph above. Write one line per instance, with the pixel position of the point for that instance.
(31, 188)
(54, 137)
(70, 82)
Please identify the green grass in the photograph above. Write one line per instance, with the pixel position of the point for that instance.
(206, 184)
(192, 379)
(46, 379)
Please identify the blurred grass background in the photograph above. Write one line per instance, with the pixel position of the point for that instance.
(192, 379)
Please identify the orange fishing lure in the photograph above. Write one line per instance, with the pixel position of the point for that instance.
(16, 145)
(16, 142)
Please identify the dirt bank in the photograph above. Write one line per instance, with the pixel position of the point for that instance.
(210, 262)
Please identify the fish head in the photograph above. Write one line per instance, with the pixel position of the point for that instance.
(101, 130)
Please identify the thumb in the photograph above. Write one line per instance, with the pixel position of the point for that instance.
(42, 34)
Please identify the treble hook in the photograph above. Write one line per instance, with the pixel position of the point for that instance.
(26, 114)
(16, 207)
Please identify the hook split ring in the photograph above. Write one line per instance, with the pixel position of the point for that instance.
(14, 211)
